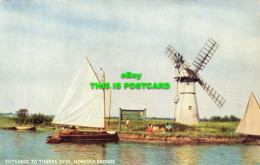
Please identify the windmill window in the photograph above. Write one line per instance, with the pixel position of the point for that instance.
(190, 107)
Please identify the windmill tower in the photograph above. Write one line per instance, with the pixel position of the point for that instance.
(186, 108)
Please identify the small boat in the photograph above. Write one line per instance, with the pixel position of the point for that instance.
(25, 128)
(83, 107)
(53, 139)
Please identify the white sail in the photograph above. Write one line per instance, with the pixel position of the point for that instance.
(249, 124)
(83, 106)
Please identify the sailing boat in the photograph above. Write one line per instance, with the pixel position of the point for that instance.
(249, 124)
(83, 107)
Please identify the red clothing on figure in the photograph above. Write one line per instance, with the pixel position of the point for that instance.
(149, 129)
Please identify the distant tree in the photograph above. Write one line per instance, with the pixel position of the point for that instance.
(204, 119)
(215, 118)
(225, 119)
(233, 118)
(23, 113)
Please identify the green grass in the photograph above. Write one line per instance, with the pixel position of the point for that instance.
(9, 122)
(204, 129)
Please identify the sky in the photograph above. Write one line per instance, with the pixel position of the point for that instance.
(44, 43)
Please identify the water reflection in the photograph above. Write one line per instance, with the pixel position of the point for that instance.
(132, 154)
(32, 146)
(186, 154)
(250, 154)
(76, 151)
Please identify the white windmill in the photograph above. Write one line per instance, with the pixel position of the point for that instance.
(186, 109)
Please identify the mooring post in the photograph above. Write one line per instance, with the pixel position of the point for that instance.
(144, 117)
(120, 117)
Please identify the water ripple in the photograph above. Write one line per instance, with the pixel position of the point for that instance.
(32, 145)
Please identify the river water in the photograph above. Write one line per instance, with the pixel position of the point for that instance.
(28, 146)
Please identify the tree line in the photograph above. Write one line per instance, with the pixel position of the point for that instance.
(230, 118)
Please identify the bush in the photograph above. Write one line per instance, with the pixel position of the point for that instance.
(225, 119)
(35, 119)
(22, 113)
(223, 129)
(215, 119)
(231, 118)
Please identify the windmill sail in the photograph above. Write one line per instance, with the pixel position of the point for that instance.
(83, 106)
(205, 54)
(173, 55)
(217, 98)
(249, 124)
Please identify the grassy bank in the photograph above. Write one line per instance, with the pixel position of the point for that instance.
(204, 129)
(6, 122)
(38, 120)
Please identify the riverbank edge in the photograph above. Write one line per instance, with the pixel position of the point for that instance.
(150, 138)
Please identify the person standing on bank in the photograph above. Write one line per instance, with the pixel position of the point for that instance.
(168, 128)
(127, 123)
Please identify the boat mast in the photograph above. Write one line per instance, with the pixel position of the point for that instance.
(109, 107)
(104, 100)
(103, 91)
(92, 69)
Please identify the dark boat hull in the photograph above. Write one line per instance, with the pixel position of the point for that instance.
(83, 136)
